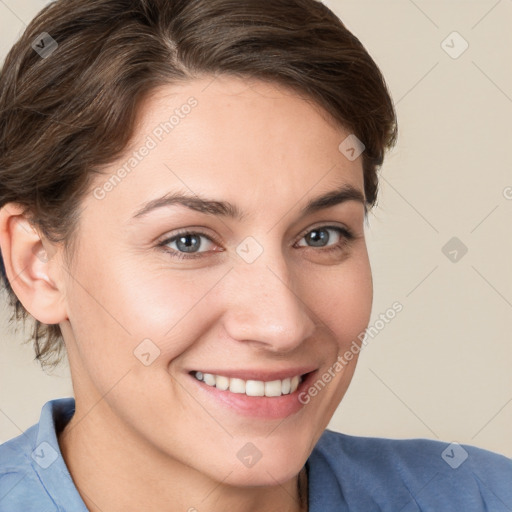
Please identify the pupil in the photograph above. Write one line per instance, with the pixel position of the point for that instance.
(319, 235)
(183, 243)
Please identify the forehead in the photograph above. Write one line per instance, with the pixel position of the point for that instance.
(224, 105)
(227, 136)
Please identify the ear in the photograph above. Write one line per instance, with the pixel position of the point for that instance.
(33, 266)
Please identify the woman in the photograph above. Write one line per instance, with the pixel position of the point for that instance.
(184, 186)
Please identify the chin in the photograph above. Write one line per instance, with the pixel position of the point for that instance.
(279, 461)
(273, 473)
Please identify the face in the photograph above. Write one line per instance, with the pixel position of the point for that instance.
(260, 288)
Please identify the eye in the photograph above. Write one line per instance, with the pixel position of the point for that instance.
(321, 236)
(187, 244)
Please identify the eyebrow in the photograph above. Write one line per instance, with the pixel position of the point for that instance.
(225, 209)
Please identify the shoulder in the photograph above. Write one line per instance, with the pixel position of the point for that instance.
(31, 465)
(413, 473)
(19, 482)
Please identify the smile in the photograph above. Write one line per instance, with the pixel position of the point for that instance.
(272, 388)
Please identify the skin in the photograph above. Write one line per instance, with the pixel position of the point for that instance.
(143, 437)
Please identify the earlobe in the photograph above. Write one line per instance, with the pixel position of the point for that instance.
(30, 262)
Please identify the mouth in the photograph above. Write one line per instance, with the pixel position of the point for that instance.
(264, 395)
(251, 387)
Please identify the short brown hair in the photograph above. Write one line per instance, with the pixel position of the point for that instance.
(65, 116)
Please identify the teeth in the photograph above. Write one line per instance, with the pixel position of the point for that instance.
(273, 388)
(255, 388)
(221, 382)
(236, 385)
(209, 379)
(251, 387)
(286, 386)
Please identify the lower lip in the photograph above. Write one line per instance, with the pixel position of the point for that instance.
(277, 407)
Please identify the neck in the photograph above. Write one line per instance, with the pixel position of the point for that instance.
(116, 470)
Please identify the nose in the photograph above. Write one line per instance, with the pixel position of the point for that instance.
(266, 307)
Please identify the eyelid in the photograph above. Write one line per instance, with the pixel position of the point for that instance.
(167, 239)
(345, 233)
(200, 231)
(327, 225)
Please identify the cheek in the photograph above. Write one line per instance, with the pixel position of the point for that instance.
(357, 299)
(114, 307)
(343, 299)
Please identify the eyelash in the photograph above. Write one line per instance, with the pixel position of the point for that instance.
(346, 237)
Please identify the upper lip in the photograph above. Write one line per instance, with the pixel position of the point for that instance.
(263, 375)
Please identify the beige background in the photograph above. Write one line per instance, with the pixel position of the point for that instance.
(441, 368)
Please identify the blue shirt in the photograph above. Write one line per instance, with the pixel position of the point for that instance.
(345, 473)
